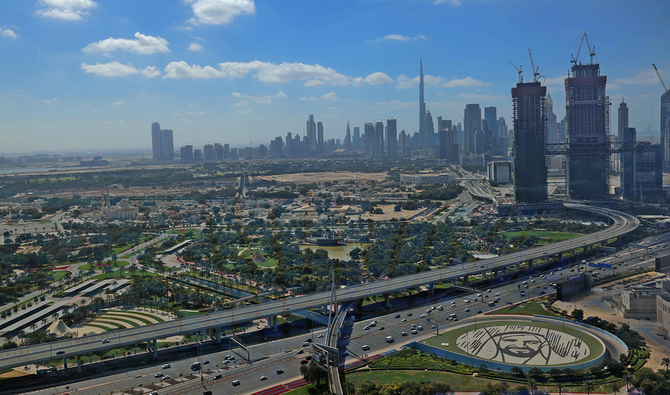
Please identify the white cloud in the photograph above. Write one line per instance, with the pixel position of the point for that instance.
(151, 72)
(195, 47)
(399, 37)
(8, 33)
(332, 96)
(116, 69)
(464, 82)
(178, 114)
(645, 76)
(397, 105)
(182, 69)
(243, 111)
(142, 44)
(430, 81)
(258, 99)
(314, 83)
(118, 103)
(305, 98)
(453, 3)
(50, 101)
(219, 12)
(66, 10)
(377, 78)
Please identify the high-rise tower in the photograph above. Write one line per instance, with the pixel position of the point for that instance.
(530, 165)
(588, 120)
(623, 119)
(311, 134)
(472, 122)
(422, 107)
(392, 137)
(156, 140)
(665, 127)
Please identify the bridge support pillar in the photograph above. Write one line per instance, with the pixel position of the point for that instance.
(530, 264)
(155, 347)
(496, 273)
(78, 364)
(387, 300)
(218, 335)
(465, 280)
(431, 289)
(65, 363)
(274, 323)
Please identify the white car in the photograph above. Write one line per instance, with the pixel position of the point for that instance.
(159, 374)
(414, 331)
(263, 378)
(365, 347)
(419, 327)
(166, 366)
(320, 335)
(467, 310)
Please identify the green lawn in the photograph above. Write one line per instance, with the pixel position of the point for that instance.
(542, 234)
(59, 274)
(116, 315)
(136, 313)
(458, 382)
(87, 266)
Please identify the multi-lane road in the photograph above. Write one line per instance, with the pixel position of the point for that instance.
(621, 223)
(280, 355)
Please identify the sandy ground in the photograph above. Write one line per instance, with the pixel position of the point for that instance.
(592, 305)
(388, 213)
(341, 177)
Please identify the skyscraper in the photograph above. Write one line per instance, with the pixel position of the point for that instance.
(665, 128)
(319, 132)
(357, 143)
(167, 147)
(587, 114)
(422, 107)
(347, 139)
(491, 118)
(369, 139)
(429, 131)
(218, 151)
(623, 119)
(209, 152)
(552, 130)
(311, 133)
(530, 167)
(378, 150)
(392, 137)
(472, 122)
(156, 140)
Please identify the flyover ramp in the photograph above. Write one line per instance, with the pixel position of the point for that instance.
(621, 224)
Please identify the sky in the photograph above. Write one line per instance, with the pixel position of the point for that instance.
(94, 74)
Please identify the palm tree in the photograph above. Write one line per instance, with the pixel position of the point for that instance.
(665, 362)
(589, 386)
(349, 388)
(561, 388)
(628, 380)
(532, 385)
(615, 387)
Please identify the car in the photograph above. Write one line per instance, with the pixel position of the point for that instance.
(309, 357)
(206, 363)
(544, 287)
(137, 376)
(479, 295)
(381, 328)
(366, 328)
(532, 281)
(207, 392)
(308, 340)
(166, 366)
(409, 314)
(304, 361)
(305, 344)
(397, 316)
(320, 335)
(467, 310)
(479, 312)
(414, 331)
(365, 347)
(537, 286)
(486, 296)
(105, 341)
(280, 371)
(423, 316)
(166, 377)
(226, 362)
(153, 393)
(60, 352)
(434, 326)
(404, 333)
(230, 357)
(488, 290)
(413, 326)
(288, 308)
(159, 374)
(263, 378)
(235, 383)
(497, 294)
(432, 307)
(440, 308)
(404, 320)
(419, 327)
(300, 351)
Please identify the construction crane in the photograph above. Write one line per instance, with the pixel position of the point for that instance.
(536, 73)
(518, 69)
(592, 50)
(662, 83)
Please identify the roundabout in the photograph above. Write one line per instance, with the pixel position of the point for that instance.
(502, 342)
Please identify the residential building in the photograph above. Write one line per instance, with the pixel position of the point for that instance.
(472, 122)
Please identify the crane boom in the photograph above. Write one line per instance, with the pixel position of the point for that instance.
(592, 50)
(518, 69)
(662, 83)
(574, 58)
(536, 72)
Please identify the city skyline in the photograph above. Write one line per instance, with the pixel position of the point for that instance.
(224, 77)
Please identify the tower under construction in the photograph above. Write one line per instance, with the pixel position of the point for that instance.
(530, 163)
(587, 110)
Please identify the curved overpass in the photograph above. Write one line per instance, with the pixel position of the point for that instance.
(621, 224)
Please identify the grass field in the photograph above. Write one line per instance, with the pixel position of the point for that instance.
(542, 234)
(458, 382)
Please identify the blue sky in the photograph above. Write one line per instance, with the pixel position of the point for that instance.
(83, 74)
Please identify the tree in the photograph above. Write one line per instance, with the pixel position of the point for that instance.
(532, 385)
(518, 371)
(536, 373)
(589, 386)
(628, 380)
(349, 388)
(615, 387)
(665, 362)
(561, 388)
(578, 314)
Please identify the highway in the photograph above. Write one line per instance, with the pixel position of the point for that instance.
(621, 224)
(270, 356)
